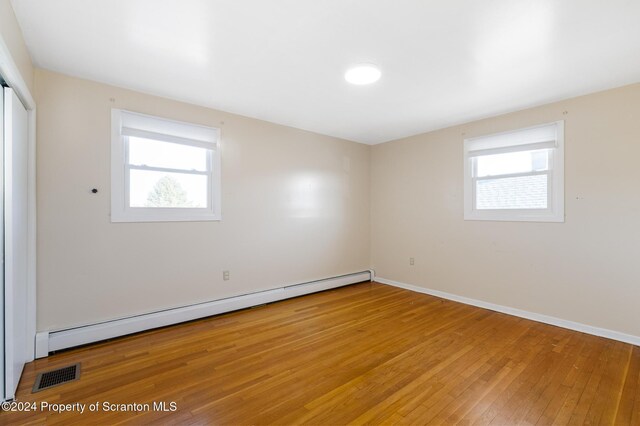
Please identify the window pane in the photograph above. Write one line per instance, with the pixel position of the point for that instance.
(161, 189)
(522, 192)
(512, 162)
(148, 152)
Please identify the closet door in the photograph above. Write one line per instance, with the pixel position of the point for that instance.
(2, 342)
(15, 239)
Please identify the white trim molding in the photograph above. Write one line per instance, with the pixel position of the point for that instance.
(53, 340)
(559, 322)
(11, 74)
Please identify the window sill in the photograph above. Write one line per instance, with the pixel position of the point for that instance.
(182, 217)
(513, 217)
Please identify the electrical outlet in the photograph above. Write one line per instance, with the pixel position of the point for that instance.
(412, 261)
(225, 275)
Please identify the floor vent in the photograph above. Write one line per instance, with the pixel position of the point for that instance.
(57, 377)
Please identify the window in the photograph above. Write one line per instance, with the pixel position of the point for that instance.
(516, 175)
(163, 170)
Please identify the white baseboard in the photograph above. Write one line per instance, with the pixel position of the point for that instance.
(571, 325)
(54, 340)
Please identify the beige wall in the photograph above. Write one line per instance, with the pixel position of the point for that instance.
(585, 270)
(12, 36)
(295, 208)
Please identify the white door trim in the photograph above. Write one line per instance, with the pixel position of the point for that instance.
(11, 74)
(16, 241)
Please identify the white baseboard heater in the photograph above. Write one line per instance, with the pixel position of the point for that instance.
(54, 340)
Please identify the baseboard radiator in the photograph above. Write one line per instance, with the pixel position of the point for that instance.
(54, 340)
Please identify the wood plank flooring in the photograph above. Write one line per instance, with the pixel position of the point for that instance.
(363, 354)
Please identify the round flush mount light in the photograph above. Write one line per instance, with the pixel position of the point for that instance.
(362, 74)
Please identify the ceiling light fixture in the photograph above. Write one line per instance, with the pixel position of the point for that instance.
(363, 74)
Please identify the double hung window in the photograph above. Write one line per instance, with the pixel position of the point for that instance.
(163, 170)
(516, 176)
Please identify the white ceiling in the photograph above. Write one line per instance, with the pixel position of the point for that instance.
(443, 62)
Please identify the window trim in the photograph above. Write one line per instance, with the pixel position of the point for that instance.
(555, 179)
(171, 131)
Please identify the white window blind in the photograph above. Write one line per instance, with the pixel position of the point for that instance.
(539, 137)
(148, 127)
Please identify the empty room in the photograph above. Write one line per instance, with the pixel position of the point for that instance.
(333, 212)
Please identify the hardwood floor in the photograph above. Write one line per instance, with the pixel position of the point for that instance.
(367, 353)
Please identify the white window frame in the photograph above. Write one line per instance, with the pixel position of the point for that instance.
(127, 123)
(549, 136)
